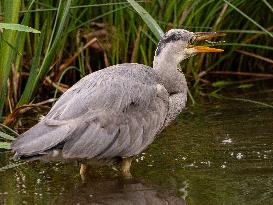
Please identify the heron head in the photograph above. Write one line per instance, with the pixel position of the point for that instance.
(184, 44)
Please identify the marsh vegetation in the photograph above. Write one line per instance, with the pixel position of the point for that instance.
(73, 38)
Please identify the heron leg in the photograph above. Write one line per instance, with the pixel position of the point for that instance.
(125, 167)
(83, 172)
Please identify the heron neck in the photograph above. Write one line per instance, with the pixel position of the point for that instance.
(166, 64)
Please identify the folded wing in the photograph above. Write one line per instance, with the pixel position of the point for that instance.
(108, 119)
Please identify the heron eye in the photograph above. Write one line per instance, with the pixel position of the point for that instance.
(192, 40)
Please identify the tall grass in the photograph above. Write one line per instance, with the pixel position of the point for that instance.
(37, 73)
(115, 33)
(11, 15)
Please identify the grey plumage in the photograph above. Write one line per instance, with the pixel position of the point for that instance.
(114, 112)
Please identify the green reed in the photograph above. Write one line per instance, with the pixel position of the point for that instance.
(128, 38)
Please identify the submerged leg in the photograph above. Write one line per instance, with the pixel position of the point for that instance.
(83, 172)
(125, 167)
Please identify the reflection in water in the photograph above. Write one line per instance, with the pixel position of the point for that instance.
(216, 154)
(119, 192)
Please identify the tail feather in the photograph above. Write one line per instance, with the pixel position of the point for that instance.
(41, 138)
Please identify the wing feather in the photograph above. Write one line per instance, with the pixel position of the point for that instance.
(123, 132)
(41, 138)
(101, 117)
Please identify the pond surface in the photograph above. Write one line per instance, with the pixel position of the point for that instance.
(213, 154)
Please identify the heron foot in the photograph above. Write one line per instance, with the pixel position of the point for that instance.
(125, 167)
(83, 172)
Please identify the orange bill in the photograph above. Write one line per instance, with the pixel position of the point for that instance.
(205, 49)
(201, 36)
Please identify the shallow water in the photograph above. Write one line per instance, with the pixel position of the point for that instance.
(214, 154)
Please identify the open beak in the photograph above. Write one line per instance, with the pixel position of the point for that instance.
(205, 49)
(203, 36)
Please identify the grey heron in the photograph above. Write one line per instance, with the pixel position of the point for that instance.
(115, 113)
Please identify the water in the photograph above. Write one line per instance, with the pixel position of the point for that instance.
(214, 154)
